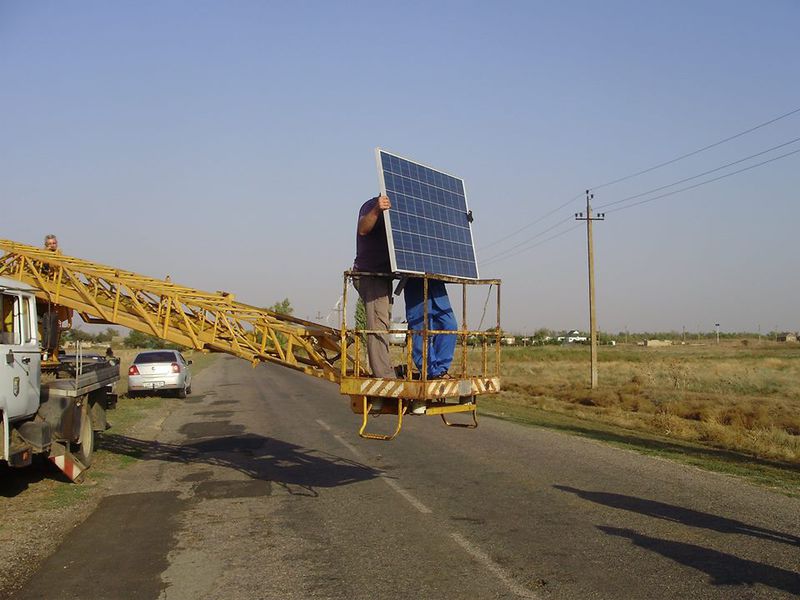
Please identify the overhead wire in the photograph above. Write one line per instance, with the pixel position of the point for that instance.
(703, 149)
(532, 223)
(691, 187)
(508, 253)
(674, 183)
(523, 242)
(505, 255)
(536, 245)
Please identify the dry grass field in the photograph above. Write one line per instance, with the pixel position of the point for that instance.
(738, 396)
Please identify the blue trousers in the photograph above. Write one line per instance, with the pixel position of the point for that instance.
(440, 316)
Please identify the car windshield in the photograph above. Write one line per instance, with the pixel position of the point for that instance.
(155, 357)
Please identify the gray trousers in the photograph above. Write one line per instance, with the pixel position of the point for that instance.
(376, 292)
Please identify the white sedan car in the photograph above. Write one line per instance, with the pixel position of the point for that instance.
(160, 371)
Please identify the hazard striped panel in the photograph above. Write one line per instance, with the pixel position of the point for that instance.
(419, 390)
(69, 465)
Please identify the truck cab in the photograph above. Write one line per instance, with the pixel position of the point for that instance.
(20, 373)
(57, 418)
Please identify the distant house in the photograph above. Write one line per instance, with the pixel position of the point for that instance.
(787, 337)
(573, 337)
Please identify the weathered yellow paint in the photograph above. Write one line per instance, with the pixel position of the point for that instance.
(215, 322)
(186, 316)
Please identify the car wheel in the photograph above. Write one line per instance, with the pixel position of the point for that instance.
(189, 389)
(182, 392)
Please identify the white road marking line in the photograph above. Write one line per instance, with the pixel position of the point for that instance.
(472, 550)
(390, 482)
(350, 447)
(496, 569)
(407, 495)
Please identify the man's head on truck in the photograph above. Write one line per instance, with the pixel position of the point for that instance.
(51, 242)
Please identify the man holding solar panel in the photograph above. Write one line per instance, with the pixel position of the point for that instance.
(372, 256)
(375, 285)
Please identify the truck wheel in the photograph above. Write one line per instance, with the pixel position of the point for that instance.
(83, 449)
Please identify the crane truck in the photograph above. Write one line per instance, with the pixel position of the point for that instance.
(55, 413)
(58, 418)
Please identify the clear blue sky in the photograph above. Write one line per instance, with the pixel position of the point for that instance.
(230, 144)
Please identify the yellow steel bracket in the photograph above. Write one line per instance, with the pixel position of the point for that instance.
(366, 406)
(443, 409)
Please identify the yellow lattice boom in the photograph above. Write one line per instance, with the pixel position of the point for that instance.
(193, 318)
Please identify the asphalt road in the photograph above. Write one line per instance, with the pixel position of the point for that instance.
(258, 486)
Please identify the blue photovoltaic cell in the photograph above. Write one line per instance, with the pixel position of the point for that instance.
(427, 226)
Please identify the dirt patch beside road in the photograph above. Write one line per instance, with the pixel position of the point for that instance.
(41, 506)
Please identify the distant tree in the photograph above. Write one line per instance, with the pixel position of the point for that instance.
(361, 315)
(284, 307)
(106, 336)
(77, 335)
(604, 337)
(361, 318)
(137, 339)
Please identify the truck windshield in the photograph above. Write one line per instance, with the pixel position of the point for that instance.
(8, 309)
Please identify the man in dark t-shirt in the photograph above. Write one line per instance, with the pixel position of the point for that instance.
(372, 256)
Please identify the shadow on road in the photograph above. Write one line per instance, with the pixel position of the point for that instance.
(724, 569)
(15, 481)
(678, 514)
(256, 456)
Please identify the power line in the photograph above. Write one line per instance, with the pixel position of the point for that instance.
(552, 237)
(642, 172)
(532, 223)
(508, 254)
(705, 182)
(530, 239)
(703, 149)
(730, 164)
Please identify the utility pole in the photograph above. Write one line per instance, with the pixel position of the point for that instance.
(716, 325)
(590, 247)
(338, 308)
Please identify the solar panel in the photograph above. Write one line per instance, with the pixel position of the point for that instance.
(428, 227)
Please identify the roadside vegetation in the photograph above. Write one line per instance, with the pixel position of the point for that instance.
(741, 397)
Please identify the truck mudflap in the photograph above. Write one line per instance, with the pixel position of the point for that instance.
(67, 462)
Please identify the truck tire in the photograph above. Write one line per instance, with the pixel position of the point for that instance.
(83, 449)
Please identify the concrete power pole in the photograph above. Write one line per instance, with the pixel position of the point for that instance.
(590, 247)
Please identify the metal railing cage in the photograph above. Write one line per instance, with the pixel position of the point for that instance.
(475, 369)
